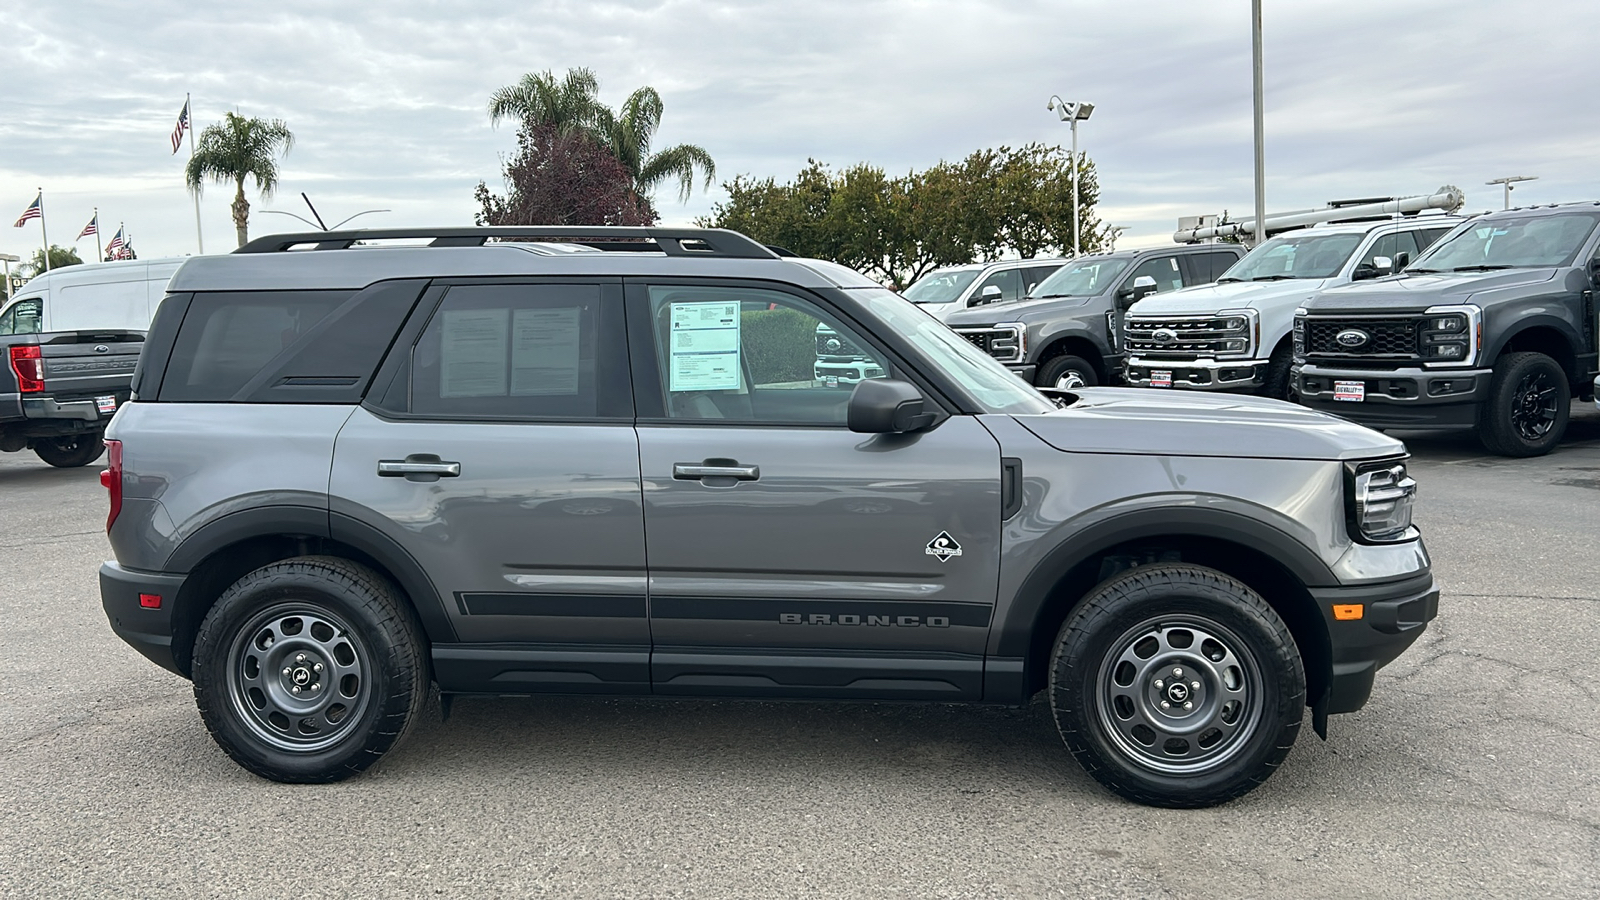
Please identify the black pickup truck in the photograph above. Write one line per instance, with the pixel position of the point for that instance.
(59, 390)
(1492, 328)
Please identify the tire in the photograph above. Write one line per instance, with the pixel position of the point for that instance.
(1066, 373)
(1150, 635)
(1527, 408)
(1275, 383)
(339, 633)
(71, 451)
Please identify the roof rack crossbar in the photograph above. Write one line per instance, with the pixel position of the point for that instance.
(671, 241)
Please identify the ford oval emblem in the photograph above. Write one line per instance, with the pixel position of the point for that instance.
(101, 348)
(1352, 337)
(1164, 336)
(833, 345)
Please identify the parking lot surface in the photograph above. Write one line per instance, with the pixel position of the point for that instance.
(1474, 770)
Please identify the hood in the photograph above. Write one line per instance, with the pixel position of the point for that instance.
(1425, 290)
(1016, 310)
(1174, 423)
(1211, 298)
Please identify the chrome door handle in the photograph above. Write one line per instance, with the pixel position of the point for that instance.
(694, 471)
(396, 468)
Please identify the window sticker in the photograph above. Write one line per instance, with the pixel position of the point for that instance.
(544, 352)
(472, 353)
(704, 347)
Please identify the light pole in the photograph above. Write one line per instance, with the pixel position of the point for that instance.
(1260, 127)
(1509, 181)
(8, 259)
(1072, 113)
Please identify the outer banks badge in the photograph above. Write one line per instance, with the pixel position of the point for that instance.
(944, 546)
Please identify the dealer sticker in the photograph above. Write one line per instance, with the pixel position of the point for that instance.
(105, 405)
(1160, 379)
(1353, 391)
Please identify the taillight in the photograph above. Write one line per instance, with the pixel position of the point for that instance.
(28, 362)
(111, 478)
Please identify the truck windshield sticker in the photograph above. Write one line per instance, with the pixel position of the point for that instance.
(472, 355)
(544, 351)
(704, 347)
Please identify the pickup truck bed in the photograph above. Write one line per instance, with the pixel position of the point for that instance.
(58, 391)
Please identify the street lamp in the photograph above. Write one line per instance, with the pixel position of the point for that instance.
(8, 259)
(1072, 113)
(1509, 181)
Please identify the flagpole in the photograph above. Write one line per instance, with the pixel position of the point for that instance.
(99, 254)
(44, 232)
(199, 237)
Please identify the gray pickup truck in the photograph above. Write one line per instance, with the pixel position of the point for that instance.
(1067, 333)
(60, 389)
(474, 465)
(1492, 328)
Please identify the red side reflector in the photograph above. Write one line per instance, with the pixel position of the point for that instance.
(150, 601)
(27, 361)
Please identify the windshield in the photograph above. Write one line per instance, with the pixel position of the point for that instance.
(941, 285)
(990, 383)
(1083, 278)
(1295, 256)
(1504, 243)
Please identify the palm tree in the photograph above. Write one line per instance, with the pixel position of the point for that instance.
(571, 104)
(235, 149)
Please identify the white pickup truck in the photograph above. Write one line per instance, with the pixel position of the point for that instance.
(1234, 335)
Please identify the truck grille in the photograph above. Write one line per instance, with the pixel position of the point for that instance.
(1187, 337)
(1003, 342)
(1384, 340)
(832, 344)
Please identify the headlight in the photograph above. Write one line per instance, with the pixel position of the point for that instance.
(1299, 350)
(1451, 335)
(1379, 499)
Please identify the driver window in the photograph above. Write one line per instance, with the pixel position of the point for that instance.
(1386, 245)
(1009, 281)
(22, 318)
(753, 356)
(1165, 271)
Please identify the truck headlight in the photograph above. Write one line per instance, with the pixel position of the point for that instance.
(1379, 496)
(1451, 335)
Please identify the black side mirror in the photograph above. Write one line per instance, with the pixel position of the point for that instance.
(990, 294)
(886, 406)
(1594, 271)
(1402, 259)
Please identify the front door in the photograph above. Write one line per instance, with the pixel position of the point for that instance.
(789, 556)
(502, 457)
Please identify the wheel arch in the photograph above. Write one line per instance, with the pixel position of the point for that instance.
(1273, 564)
(1074, 344)
(226, 549)
(1547, 336)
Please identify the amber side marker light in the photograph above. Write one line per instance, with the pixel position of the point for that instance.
(1346, 612)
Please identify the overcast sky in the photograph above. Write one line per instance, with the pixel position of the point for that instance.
(1363, 98)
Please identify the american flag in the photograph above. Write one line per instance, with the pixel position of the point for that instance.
(183, 125)
(115, 245)
(92, 228)
(34, 211)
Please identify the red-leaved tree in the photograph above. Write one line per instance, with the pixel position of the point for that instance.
(563, 179)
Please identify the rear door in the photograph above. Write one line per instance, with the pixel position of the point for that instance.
(498, 449)
(788, 555)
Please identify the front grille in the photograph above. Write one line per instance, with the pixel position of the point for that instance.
(1387, 339)
(1187, 337)
(1004, 343)
(831, 343)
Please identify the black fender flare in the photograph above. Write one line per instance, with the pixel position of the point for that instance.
(1022, 615)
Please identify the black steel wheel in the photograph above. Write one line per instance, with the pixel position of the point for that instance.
(309, 670)
(1528, 406)
(70, 451)
(1176, 685)
(1067, 373)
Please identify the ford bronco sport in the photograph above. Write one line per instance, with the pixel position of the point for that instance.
(353, 471)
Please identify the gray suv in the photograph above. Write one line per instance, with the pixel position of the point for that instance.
(351, 472)
(1066, 332)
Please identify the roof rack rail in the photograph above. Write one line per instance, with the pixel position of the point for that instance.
(671, 241)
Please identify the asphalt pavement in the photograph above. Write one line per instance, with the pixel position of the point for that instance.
(1473, 771)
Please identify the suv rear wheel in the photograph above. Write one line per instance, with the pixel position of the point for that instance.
(70, 451)
(1067, 373)
(309, 670)
(1528, 406)
(1177, 686)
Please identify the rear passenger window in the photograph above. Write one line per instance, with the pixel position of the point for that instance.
(227, 338)
(523, 351)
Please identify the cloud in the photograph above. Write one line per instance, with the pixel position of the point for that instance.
(387, 102)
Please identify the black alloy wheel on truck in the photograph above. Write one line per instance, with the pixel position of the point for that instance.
(70, 451)
(1527, 408)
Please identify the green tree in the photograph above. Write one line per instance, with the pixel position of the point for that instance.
(236, 149)
(60, 258)
(572, 103)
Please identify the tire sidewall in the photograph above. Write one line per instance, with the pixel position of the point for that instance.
(1076, 696)
(87, 448)
(362, 742)
(1060, 365)
(1501, 433)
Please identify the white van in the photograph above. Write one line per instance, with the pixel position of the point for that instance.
(120, 296)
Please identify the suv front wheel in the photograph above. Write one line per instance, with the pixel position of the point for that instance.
(1178, 686)
(309, 670)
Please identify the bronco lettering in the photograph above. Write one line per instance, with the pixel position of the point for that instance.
(850, 619)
